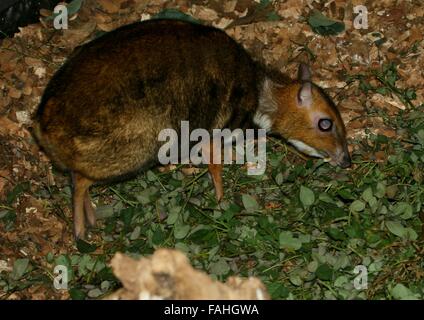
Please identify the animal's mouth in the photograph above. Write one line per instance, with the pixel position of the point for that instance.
(325, 156)
(340, 158)
(342, 161)
(307, 149)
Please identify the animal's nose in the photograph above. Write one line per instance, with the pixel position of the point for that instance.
(346, 161)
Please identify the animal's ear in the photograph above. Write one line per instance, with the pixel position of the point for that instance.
(304, 73)
(304, 96)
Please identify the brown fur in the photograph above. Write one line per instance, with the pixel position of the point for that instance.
(101, 113)
(116, 93)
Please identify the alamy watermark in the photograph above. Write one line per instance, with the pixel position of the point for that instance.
(60, 282)
(60, 20)
(207, 148)
(361, 20)
(361, 280)
(61, 17)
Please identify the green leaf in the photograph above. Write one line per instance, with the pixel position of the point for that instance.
(380, 41)
(232, 210)
(304, 238)
(399, 230)
(49, 257)
(324, 26)
(85, 247)
(295, 280)
(182, 247)
(174, 213)
(8, 216)
(340, 281)
(306, 196)
(381, 190)
(336, 234)
(277, 290)
(219, 268)
(367, 195)
(341, 262)
(94, 293)
(103, 212)
(396, 228)
(324, 272)
(135, 234)
(175, 14)
(76, 294)
(180, 231)
(345, 194)
(404, 210)
(355, 230)
(382, 90)
(402, 293)
(85, 265)
(151, 176)
(410, 94)
(411, 234)
(204, 235)
(144, 196)
(127, 215)
(249, 202)
(420, 136)
(63, 260)
(312, 266)
(325, 197)
(279, 178)
(357, 206)
(158, 236)
(17, 191)
(365, 86)
(19, 268)
(391, 191)
(105, 285)
(73, 7)
(273, 16)
(287, 241)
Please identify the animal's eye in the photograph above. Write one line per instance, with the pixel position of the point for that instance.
(325, 124)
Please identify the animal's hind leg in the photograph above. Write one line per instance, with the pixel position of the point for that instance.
(81, 185)
(90, 213)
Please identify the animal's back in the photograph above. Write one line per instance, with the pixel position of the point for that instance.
(103, 110)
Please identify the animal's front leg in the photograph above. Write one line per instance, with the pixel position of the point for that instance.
(216, 173)
(215, 168)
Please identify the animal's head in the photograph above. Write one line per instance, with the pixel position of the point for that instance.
(309, 120)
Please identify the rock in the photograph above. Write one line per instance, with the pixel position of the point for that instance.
(167, 274)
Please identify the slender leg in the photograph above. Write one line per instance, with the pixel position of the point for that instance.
(90, 213)
(81, 185)
(216, 172)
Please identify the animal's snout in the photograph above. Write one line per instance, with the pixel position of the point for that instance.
(346, 161)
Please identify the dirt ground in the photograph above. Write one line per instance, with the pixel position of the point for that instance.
(29, 59)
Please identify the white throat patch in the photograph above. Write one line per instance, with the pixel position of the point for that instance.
(262, 120)
(267, 105)
(303, 147)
